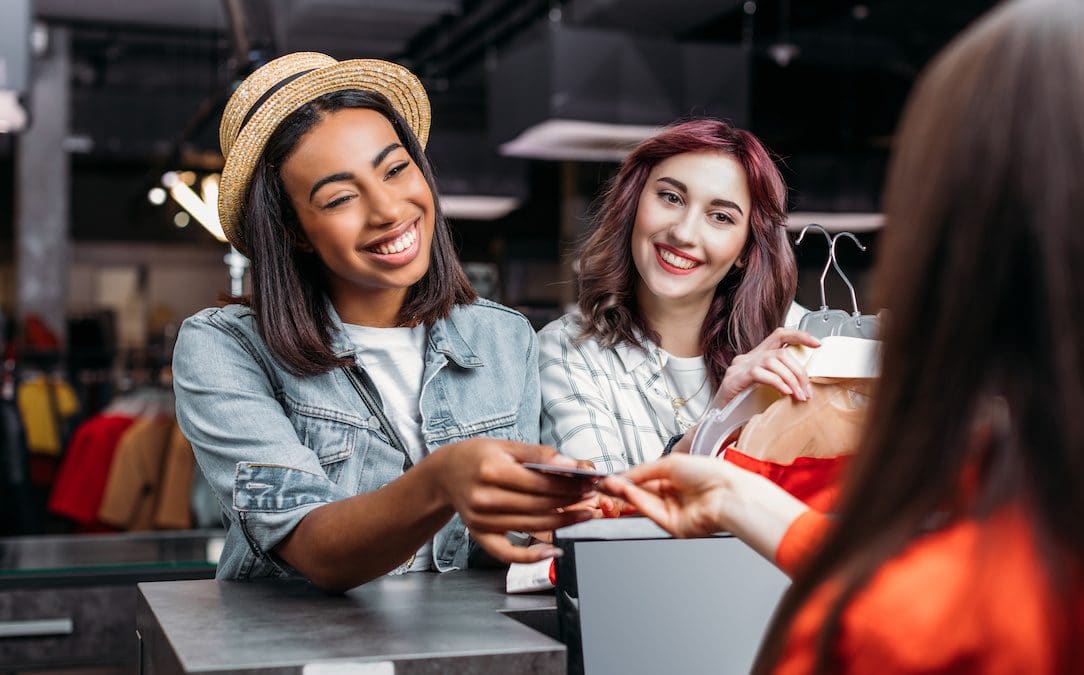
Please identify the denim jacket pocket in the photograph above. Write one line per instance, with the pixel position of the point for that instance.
(500, 425)
(331, 438)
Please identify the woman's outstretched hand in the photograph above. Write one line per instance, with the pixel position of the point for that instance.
(484, 481)
(769, 363)
(691, 496)
(685, 495)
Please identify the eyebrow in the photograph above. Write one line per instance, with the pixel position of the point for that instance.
(384, 153)
(726, 203)
(333, 178)
(346, 175)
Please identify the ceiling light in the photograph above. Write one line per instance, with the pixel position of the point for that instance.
(156, 196)
(181, 219)
(477, 207)
(578, 140)
(783, 53)
(204, 209)
(574, 93)
(836, 222)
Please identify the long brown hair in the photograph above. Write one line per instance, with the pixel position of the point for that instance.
(749, 303)
(288, 281)
(979, 272)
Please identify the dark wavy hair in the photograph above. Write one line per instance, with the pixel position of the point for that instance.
(980, 275)
(749, 303)
(289, 285)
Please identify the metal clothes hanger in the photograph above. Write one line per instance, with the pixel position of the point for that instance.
(857, 325)
(822, 322)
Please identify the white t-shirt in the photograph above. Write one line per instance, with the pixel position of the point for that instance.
(395, 360)
(687, 377)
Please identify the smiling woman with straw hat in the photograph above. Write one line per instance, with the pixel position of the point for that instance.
(362, 408)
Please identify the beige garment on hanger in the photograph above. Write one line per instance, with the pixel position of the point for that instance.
(173, 509)
(828, 425)
(132, 486)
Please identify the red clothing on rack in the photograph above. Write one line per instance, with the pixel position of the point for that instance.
(970, 598)
(80, 483)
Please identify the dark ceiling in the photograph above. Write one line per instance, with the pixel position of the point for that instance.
(827, 78)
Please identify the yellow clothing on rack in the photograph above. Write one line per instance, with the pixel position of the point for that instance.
(41, 416)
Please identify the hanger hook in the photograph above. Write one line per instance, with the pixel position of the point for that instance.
(835, 263)
(827, 264)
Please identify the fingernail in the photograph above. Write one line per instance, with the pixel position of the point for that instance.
(809, 391)
(553, 552)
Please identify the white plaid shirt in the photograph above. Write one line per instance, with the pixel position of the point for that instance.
(606, 404)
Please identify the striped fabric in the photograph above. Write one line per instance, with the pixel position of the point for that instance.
(607, 405)
(603, 404)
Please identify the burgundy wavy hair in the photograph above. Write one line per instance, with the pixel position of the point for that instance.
(750, 302)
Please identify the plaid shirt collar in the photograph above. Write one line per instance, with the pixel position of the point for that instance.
(637, 356)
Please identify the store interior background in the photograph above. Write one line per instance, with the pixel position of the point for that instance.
(120, 92)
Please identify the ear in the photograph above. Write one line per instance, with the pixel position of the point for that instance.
(300, 242)
(739, 263)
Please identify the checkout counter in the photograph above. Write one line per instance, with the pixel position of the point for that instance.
(458, 622)
(632, 600)
(70, 601)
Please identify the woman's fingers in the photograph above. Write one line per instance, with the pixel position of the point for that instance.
(763, 375)
(781, 337)
(490, 499)
(650, 505)
(643, 472)
(783, 370)
(512, 476)
(539, 454)
(498, 546)
(799, 372)
(529, 523)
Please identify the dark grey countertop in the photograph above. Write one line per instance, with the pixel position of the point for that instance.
(106, 559)
(461, 622)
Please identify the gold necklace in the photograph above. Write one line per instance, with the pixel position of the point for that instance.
(677, 402)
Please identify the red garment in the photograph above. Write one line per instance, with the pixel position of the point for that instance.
(37, 335)
(973, 597)
(80, 483)
(814, 480)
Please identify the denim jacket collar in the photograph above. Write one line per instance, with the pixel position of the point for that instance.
(444, 337)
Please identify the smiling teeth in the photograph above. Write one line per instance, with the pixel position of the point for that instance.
(676, 260)
(400, 243)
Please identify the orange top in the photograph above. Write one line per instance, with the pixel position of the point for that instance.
(971, 598)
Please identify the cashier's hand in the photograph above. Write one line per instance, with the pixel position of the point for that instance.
(685, 495)
(769, 363)
(598, 505)
(484, 482)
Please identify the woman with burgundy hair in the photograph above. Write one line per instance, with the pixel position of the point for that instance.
(684, 285)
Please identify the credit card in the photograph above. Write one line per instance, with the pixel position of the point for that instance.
(567, 471)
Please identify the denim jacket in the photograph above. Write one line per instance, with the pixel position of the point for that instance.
(274, 446)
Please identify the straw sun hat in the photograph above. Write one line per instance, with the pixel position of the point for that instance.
(277, 89)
